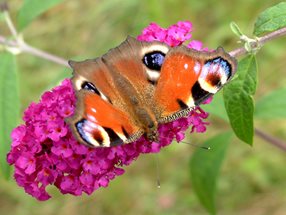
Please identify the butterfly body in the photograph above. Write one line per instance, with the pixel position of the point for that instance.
(136, 86)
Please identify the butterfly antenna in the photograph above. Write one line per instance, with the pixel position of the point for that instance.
(196, 145)
(157, 170)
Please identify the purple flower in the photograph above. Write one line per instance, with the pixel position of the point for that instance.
(18, 135)
(198, 45)
(46, 176)
(173, 36)
(153, 32)
(44, 151)
(26, 162)
(62, 148)
(195, 44)
(178, 33)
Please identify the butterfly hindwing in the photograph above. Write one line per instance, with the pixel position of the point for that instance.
(188, 77)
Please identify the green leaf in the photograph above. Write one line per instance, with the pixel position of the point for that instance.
(204, 169)
(271, 19)
(272, 106)
(216, 107)
(9, 107)
(2, 17)
(235, 29)
(238, 99)
(33, 8)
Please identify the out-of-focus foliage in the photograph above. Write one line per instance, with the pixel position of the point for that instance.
(204, 174)
(9, 106)
(272, 106)
(271, 19)
(31, 9)
(216, 107)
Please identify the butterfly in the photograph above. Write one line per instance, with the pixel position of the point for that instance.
(133, 88)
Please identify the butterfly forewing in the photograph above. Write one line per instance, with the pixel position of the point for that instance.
(101, 117)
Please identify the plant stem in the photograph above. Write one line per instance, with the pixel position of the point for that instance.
(10, 24)
(45, 55)
(270, 139)
(19, 45)
(23, 47)
(261, 41)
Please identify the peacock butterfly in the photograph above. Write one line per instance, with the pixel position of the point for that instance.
(128, 91)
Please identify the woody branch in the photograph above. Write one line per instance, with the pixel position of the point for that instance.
(260, 42)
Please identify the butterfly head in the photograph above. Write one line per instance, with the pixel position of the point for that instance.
(152, 132)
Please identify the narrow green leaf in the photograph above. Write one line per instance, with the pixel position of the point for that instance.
(33, 8)
(9, 107)
(238, 99)
(235, 29)
(216, 107)
(204, 169)
(271, 19)
(272, 106)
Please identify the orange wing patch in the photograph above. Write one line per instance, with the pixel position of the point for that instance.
(178, 75)
(100, 123)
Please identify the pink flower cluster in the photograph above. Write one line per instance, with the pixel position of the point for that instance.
(44, 151)
(173, 36)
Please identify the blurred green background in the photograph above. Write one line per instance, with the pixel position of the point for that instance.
(252, 180)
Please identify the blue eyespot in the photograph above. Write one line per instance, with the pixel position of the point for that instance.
(90, 87)
(222, 63)
(154, 60)
(80, 128)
